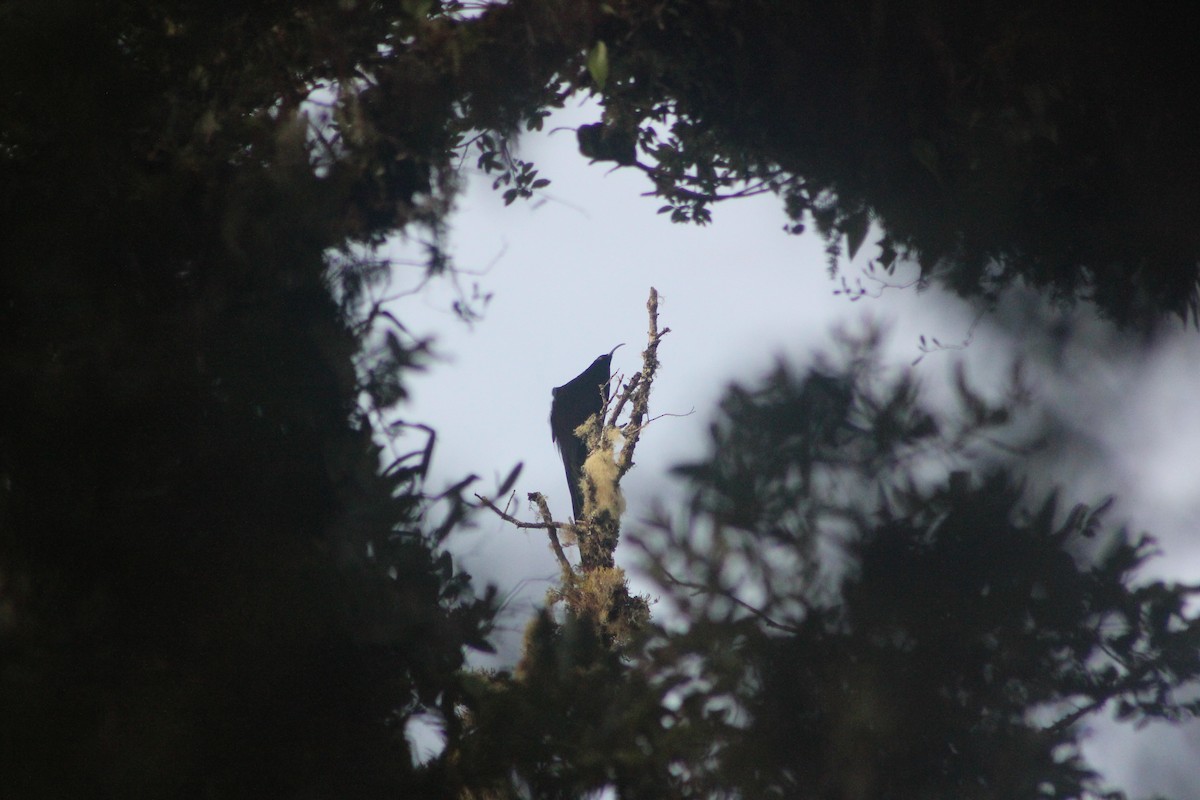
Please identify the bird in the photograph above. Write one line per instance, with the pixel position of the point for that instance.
(573, 402)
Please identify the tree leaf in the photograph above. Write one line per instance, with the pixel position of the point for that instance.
(856, 231)
(597, 64)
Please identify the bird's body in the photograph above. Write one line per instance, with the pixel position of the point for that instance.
(575, 401)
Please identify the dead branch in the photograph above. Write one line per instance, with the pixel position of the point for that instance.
(539, 500)
(547, 524)
(624, 398)
(639, 388)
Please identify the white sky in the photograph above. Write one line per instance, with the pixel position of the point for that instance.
(570, 275)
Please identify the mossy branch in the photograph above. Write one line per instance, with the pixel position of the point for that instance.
(637, 391)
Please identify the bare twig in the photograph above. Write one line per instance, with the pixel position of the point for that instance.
(1078, 714)
(671, 414)
(624, 398)
(547, 524)
(544, 510)
(640, 394)
(731, 597)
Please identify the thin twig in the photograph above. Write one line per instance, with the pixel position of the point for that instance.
(625, 395)
(548, 525)
(671, 414)
(1078, 714)
(730, 596)
(539, 500)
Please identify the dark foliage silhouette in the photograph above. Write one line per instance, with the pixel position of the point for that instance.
(209, 588)
(860, 626)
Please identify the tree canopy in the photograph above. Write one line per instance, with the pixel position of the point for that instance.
(215, 581)
(956, 644)
(996, 142)
(208, 587)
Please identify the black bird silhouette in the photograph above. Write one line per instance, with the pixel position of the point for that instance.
(573, 403)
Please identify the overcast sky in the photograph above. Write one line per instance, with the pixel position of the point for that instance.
(569, 274)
